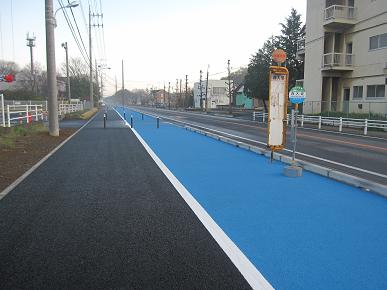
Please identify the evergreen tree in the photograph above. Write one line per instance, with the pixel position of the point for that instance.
(292, 30)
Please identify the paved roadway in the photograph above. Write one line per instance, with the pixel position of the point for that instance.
(363, 153)
(99, 214)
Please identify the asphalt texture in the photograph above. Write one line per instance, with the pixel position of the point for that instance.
(361, 152)
(99, 214)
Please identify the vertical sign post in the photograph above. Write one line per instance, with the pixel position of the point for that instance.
(278, 102)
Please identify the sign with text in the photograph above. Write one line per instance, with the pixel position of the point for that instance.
(278, 102)
(297, 95)
(279, 56)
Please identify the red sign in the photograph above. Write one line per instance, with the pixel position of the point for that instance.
(7, 78)
(279, 56)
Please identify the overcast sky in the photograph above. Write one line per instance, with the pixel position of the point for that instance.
(159, 41)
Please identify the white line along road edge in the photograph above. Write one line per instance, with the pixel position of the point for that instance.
(33, 168)
(243, 264)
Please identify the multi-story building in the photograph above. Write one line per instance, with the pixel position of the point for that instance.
(217, 94)
(345, 56)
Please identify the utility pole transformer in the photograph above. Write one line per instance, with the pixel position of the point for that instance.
(53, 123)
(31, 45)
(65, 46)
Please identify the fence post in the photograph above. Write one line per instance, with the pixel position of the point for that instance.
(302, 120)
(319, 122)
(263, 117)
(36, 113)
(27, 114)
(2, 109)
(341, 124)
(9, 117)
(253, 116)
(365, 126)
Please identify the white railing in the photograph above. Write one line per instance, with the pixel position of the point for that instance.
(70, 108)
(337, 59)
(19, 114)
(363, 124)
(339, 11)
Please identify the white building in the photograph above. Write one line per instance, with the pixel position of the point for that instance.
(346, 56)
(217, 94)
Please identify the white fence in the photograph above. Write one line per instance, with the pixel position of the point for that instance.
(70, 108)
(19, 112)
(340, 123)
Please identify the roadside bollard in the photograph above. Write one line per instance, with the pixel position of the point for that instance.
(142, 116)
(158, 122)
(104, 120)
(124, 115)
(131, 121)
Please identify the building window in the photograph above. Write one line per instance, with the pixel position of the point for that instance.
(219, 91)
(376, 91)
(378, 41)
(358, 92)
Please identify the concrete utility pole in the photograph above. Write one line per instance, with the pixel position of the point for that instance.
(169, 96)
(181, 95)
(177, 92)
(91, 92)
(31, 45)
(164, 96)
(123, 82)
(116, 83)
(201, 90)
(229, 87)
(96, 79)
(208, 68)
(53, 123)
(186, 91)
(65, 46)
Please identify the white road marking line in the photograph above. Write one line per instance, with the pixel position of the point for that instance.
(241, 262)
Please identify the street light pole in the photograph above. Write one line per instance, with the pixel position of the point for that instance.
(65, 46)
(53, 122)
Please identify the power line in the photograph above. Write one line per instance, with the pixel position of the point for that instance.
(76, 24)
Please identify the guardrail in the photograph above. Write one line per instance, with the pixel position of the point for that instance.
(18, 114)
(340, 122)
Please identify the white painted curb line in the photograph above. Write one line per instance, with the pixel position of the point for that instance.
(33, 168)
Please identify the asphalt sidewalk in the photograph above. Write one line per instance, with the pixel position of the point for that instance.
(99, 214)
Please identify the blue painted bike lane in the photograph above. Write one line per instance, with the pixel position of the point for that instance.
(305, 233)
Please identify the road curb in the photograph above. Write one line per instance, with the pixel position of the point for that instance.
(357, 182)
(37, 165)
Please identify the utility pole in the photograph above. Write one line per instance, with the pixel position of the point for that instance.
(164, 96)
(53, 123)
(96, 78)
(208, 68)
(169, 96)
(90, 53)
(201, 90)
(31, 45)
(181, 95)
(123, 82)
(186, 91)
(91, 64)
(229, 87)
(177, 92)
(116, 83)
(65, 46)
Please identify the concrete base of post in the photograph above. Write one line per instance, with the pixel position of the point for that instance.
(293, 171)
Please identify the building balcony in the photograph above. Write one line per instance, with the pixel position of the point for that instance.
(339, 17)
(337, 62)
(301, 47)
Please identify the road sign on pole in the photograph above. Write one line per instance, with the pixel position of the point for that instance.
(278, 102)
(297, 95)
